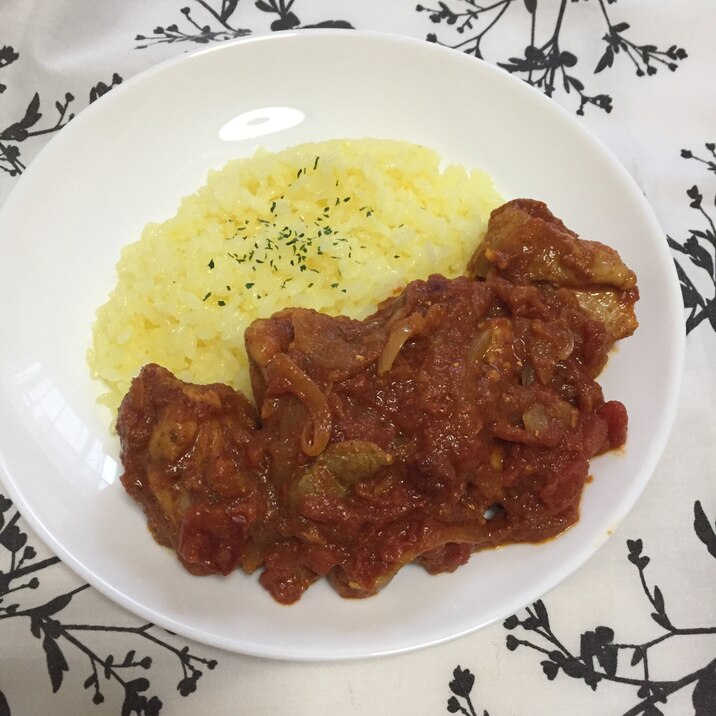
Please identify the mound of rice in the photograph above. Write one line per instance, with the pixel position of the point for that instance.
(336, 226)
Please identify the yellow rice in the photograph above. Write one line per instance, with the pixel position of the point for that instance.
(336, 226)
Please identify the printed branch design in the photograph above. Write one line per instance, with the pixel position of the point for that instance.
(644, 58)
(461, 686)
(29, 125)
(216, 24)
(47, 625)
(700, 248)
(547, 65)
(600, 656)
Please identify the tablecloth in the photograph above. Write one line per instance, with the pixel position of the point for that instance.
(634, 630)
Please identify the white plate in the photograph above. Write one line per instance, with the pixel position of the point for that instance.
(129, 158)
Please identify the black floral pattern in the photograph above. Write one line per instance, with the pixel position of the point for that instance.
(68, 645)
(700, 248)
(548, 59)
(29, 126)
(121, 663)
(461, 686)
(601, 657)
(206, 22)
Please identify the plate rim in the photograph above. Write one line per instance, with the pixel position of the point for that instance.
(575, 561)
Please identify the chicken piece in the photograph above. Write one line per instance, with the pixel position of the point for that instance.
(613, 308)
(461, 415)
(525, 243)
(338, 346)
(186, 457)
(389, 438)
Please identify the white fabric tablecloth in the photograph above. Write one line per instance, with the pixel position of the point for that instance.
(633, 631)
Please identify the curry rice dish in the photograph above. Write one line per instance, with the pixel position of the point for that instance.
(458, 416)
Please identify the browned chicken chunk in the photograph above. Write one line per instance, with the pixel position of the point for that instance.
(185, 451)
(526, 243)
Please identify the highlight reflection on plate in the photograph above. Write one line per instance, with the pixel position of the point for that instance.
(129, 158)
(260, 122)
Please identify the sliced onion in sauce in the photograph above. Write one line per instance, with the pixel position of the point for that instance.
(568, 347)
(480, 344)
(535, 419)
(398, 336)
(317, 432)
